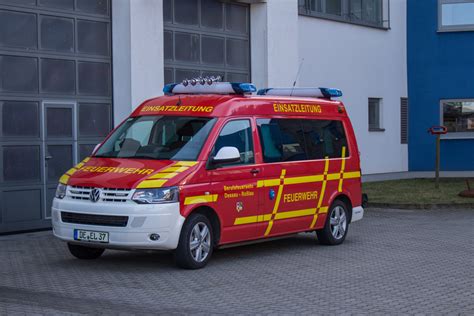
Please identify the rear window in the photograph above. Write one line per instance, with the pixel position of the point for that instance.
(296, 140)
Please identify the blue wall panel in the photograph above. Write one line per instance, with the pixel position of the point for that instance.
(440, 66)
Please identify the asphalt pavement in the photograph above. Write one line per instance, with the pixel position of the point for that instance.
(392, 262)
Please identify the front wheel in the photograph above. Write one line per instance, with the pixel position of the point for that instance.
(337, 225)
(85, 253)
(195, 243)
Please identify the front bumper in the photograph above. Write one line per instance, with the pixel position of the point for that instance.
(143, 220)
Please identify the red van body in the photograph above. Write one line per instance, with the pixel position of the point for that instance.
(242, 202)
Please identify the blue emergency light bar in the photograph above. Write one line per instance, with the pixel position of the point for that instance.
(210, 85)
(302, 92)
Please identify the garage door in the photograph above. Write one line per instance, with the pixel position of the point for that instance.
(206, 37)
(55, 99)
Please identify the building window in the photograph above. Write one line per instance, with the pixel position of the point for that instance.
(458, 117)
(404, 120)
(206, 38)
(456, 15)
(375, 13)
(375, 117)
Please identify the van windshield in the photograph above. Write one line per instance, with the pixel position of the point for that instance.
(158, 137)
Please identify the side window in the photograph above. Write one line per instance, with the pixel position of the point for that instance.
(325, 138)
(237, 134)
(282, 140)
(296, 140)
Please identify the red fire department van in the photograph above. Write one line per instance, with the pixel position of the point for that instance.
(209, 165)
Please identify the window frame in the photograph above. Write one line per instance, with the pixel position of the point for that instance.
(452, 28)
(453, 135)
(380, 127)
(345, 15)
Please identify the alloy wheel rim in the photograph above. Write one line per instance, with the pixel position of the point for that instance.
(200, 242)
(338, 222)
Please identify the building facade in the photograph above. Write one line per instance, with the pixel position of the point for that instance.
(70, 70)
(441, 85)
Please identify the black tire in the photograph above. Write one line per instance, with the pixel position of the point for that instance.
(85, 253)
(326, 235)
(184, 256)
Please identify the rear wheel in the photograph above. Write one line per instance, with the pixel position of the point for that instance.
(337, 225)
(195, 243)
(85, 253)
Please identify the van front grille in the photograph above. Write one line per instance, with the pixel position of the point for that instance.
(106, 194)
(92, 219)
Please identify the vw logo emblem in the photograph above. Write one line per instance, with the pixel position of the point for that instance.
(94, 195)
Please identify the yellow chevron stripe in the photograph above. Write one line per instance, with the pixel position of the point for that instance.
(334, 176)
(278, 216)
(343, 165)
(159, 179)
(351, 175)
(252, 219)
(185, 163)
(148, 184)
(64, 179)
(323, 210)
(270, 218)
(277, 202)
(323, 190)
(305, 179)
(163, 175)
(295, 214)
(308, 179)
(175, 169)
(71, 171)
(200, 199)
(268, 183)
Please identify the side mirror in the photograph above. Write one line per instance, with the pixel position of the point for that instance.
(226, 154)
(95, 148)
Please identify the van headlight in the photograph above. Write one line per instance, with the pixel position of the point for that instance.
(61, 191)
(156, 196)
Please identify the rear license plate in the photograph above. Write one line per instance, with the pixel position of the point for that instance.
(87, 235)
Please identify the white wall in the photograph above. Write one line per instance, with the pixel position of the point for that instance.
(274, 43)
(363, 62)
(137, 43)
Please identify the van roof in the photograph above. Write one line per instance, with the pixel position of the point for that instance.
(214, 105)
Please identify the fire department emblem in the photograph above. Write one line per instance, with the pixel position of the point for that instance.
(239, 206)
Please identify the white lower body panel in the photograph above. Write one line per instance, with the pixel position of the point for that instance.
(357, 214)
(143, 220)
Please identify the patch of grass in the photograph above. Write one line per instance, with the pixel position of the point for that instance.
(417, 191)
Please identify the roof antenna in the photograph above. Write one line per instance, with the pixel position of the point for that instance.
(297, 76)
(179, 101)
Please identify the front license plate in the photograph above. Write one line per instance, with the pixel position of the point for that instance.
(87, 235)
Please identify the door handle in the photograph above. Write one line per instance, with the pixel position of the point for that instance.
(254, 171)
(48, 157)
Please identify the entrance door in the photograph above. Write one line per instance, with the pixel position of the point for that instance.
(60, 145)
